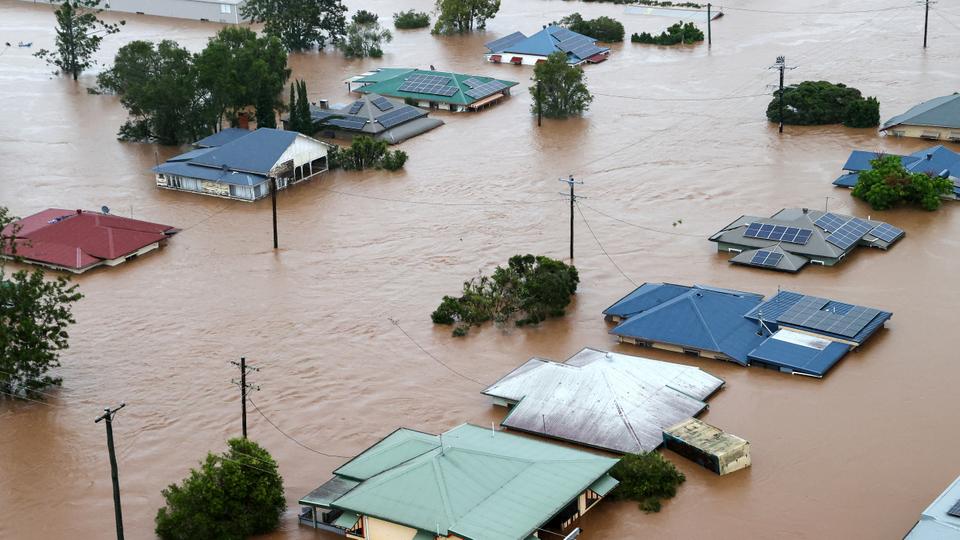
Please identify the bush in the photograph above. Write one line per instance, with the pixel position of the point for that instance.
(406, 20)
(393, 161)
(822, 102)
(234, 495)
(888, 184)
(532, 288)
(366, 153)
(676, 33)
(602, 28)
(365, 17)
(646, 478)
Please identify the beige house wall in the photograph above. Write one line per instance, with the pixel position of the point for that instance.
(906, 130)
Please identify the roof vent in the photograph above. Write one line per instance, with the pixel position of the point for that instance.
(79, 211)
(929, 156)
(805, 210)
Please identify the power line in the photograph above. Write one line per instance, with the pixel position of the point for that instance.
(852, 12)
(28, 399)
(948, 21)
(651, 229)
(434, 203)
(589, 228)
(435, 359)
(641, 98)
(285, 434)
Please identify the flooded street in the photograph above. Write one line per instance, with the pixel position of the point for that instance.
(666, 162)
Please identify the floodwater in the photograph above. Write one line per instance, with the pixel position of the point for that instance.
(856, 455)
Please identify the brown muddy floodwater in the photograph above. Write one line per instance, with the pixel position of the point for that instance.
(856, 455)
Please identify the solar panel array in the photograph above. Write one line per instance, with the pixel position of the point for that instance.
(399, 116)
(780, 233)
(766, 258)
(382, 103)
(809, 313)
(563, 34)
(355, 108)
(886, 232)
(849, 233)
(429, 84)
(486, 89)
(472, 83)
(830, 222)
(955, 510)
(350, 122)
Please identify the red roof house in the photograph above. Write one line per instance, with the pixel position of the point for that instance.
(77, 240)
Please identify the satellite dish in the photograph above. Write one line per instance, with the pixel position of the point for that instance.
(105, 209)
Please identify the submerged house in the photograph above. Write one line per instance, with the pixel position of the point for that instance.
(941, 520)
(793, 237)
(605, 400)
(791, 332)
(519, 49)
(221, 11)
(708, 446)
(936, 160)
(432, 89)
(78, 240)
(935, 119)
(240, 164)
(375, 116)
(470, 483)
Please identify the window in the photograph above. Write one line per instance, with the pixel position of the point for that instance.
(225, 8)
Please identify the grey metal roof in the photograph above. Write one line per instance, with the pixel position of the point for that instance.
(256, 152)
(788, 262)
(605, 400)
(332, 490)
(943, 111)
(221, 137)
(370, 113)
(184, 168)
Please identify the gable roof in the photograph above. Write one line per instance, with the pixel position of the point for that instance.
(550, 39)
(943, 112)
(478, 484)
(605, 400)
(222, 137)
(398, 122)
(389, 85)
(256, 152)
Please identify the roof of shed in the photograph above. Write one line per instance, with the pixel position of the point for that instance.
(702, 435)
(942, 111)
(605, 400)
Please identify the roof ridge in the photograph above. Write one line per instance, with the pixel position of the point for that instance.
(703, 321)
(442, 489)
(621, 415)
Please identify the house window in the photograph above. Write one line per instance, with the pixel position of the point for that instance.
(225, 8)
(898, 133)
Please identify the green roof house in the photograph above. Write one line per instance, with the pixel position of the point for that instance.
(470, 483)
(433, 89)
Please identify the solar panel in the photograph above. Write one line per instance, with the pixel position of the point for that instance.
(779, 233)
(886, 232)
(429, 84)
(382, 103)
(486, 89)
(830, 222)
(813, 312)
(564, 34)
(355, 108)
(955, 510)
(350, 122)
(428, 79)
(766, 258)
(399, 116)
(849, 233)
(472, 82)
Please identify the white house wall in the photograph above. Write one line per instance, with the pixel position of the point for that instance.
(528, 59)
(224, 12)
(303, 150)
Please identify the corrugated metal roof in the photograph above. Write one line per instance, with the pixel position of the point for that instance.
(646, 296)
(936, 160)
(788, 261)
(815, 361)
(391, 86)
(943, 111)
(774, 309)
(400, 446)
(543, 43)
(605, 400)
(222, 137)
(256, 152)
(335, 488)
(346, 520)
(480, 484)
(187, 169)
(604, 485)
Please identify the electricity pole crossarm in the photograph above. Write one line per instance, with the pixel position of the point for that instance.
(781, 66)
(573, 199)
(108, 415)
(244, 386)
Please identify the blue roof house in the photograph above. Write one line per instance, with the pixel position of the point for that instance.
(790, 332)
(936, 160)
(240, 164)
(519, 49)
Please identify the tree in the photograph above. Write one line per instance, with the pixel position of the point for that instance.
(459, 16)
(304, 117)
(821, 102)
(299, 24)
(563, 91)
(410, 19)
(35, 314)
(675, 33)
(602, 28)
(231, 496)
(79, 33)
(888, 183)
(364, 37)
(367, 153)
(646, 478)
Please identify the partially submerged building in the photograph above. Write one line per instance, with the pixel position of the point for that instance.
(791, 332)
(708, 446)
(519, 49)
(941, 520)
(432, 89)
(468, 483)
(78, 240)
(240, 164)
(936, 161)
(375, 116)
(793, 237)
(936, 119)
(605, 400)
(221, 11)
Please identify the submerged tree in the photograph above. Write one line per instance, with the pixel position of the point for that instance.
(602, 28)
(35, 314)
(676, 33)
(299, 24)
(888, 184)
(364, 37)
(562, 91)
(459, 16)
(822, 102)
(79, 33)
(233, 495)
(646, 478)
(410, 19)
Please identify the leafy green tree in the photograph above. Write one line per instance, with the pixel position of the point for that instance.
(602, 28)
(459, 16)
(35, 314)
(822, 102)
(364, 37)
(646, 478)
(674, 34)
(411, 19)
(299, 24)
(79, 33)
(563, 91)
(304, 118)
(862, 113)
(231, 496)
(888, 184)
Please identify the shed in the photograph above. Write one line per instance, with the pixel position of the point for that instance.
(709, 446)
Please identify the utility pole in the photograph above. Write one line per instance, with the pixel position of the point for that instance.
(108, 415)
(926, 21)
(781, 66)
(539, 104)
(273, 199)
(244, 386)
(709, 33)
(573, 198)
